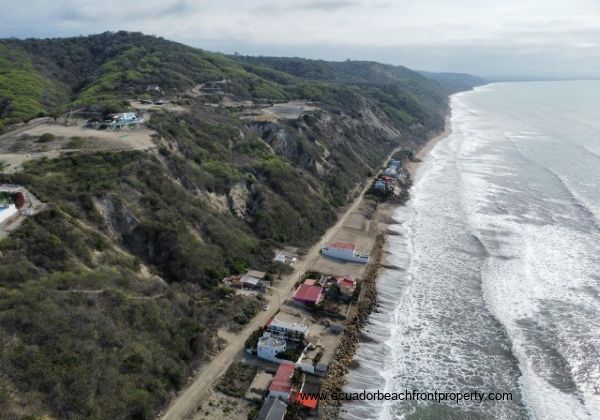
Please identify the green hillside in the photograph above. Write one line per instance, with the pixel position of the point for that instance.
(106, 69)
(110, 298)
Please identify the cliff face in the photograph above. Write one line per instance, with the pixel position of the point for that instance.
(110, 298)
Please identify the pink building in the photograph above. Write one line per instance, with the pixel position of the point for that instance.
(308, 294)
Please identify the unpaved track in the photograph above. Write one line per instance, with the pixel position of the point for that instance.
(188, 400)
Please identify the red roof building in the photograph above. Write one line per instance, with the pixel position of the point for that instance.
(308, 294)
(310, 282)
(342, 245)
(281, 385)
(305, 400)
(346, 285)
(345, 251)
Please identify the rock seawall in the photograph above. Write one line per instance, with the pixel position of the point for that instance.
(338, 368)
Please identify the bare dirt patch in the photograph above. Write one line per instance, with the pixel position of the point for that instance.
(49, 140)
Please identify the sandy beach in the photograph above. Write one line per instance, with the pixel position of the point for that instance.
(378, 220)
(411, 167)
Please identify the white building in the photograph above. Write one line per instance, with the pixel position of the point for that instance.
(253, 279)
(345, 251)
(287, 330)
(284, 257)
(126, 119)
(269, 347)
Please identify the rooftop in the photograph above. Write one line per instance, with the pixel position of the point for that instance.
(269, 341)
(289, 325)
(305, 400)
(255, 281)
(308, 292)
(342, 245)
(345, 282)
(282, 381)
(256, 274)
(272, 409)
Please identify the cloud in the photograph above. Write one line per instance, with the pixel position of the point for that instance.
(128, 12)
(308, 6)
(512, 35)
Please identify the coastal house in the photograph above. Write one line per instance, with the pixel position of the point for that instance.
(282, 385)
(253, 279)
(384, 183)
(124, 119)
(269, 346)
(308, 295)
(380, 185)
(345, 251)
(272, 409)
(347, 286)
(290, 331)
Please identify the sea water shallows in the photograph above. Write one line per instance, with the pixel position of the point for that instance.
(499, 255)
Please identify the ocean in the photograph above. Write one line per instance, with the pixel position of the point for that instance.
(497, 285)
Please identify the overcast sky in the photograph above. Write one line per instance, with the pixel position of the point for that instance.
(491, 38)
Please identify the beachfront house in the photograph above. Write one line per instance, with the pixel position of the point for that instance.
(269, 346)
(282, 385)
(347, 287)
(380, 185)
(345, 251)
(308, 295)
(290, 331)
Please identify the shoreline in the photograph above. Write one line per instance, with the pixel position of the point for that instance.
(367, 301)
(424, 150)
(187, 401)
(352, 225)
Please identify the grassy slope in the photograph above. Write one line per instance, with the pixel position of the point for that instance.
(111, 212)
(25, 93)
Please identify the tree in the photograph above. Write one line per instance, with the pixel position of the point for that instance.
(297, 377)
(333, 291)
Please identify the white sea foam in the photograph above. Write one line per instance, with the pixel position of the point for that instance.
(499, 250)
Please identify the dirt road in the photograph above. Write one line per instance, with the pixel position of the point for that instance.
(188, 400)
